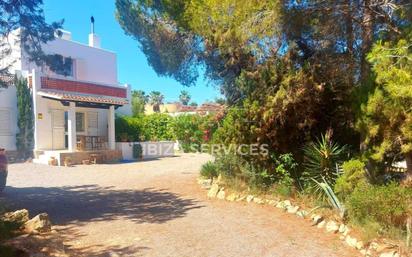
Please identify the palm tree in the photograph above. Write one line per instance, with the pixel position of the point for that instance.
(184, 97)
(156, 99)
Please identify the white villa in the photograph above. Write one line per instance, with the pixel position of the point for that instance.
(73, 115)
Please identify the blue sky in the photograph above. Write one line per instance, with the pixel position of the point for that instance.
(131, 62)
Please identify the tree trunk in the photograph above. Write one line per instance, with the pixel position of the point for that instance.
(408, 159)
(367, 39)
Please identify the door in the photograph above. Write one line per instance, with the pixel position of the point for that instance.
(58, 130)
(92, 124)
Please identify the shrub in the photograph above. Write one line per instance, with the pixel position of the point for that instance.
(209, 170)
(157, 127)
(128, 129)
(188, 130)
(389, 205)
(137, 151)
(353, 174)
(322, 159)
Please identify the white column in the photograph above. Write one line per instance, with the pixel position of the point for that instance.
(36, 84)
(110, 128)
(71, 127)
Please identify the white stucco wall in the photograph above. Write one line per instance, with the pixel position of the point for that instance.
(90, 63)
(8, 101)
(44, 126)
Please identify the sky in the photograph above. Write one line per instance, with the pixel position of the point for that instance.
(131, 62)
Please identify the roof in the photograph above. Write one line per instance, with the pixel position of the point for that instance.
(78, 97)
(210, 107)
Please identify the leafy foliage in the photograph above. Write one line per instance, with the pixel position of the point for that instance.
(209, 170)
(353, 174)
(322, 160)
(388, 205)
(139, 100)
(28, 16)
(184, 97)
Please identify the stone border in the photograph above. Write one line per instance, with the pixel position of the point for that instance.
(330, 226)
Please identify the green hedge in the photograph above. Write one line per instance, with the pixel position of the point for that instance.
(190, 130)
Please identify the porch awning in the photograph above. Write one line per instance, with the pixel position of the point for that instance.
(84, 98)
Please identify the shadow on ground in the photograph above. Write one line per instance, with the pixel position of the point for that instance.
(93, 203)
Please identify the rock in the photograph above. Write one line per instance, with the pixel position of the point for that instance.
(40, 223)
(346, 232)
(331, 226)
(321, 224)
(375, 246)
(205, 183)
(342, 228)
(292, 209)
(316, 219)
(280, 205)
(360, 245)
(390, 254)
(258, 200)
(365, 252)
(302, 213)
(232, 197)
(352, 242)
(287, 203)
(214, 189)
(219, 180)
(221, 195)
(249, 198)
(20, 216)
(241, 198)
(383, 247)
(272, 202)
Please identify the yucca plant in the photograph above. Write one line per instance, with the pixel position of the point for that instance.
(326, 190)
(322, 161)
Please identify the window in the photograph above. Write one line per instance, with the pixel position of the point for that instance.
(80, 122)
(61, 65)
(5, 122)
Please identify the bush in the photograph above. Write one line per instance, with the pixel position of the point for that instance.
(353, 174)
(388, 205)
(157, 127)
(209, 170)
(188, 130)
(128, 129)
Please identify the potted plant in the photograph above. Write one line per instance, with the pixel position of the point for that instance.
(68, 162)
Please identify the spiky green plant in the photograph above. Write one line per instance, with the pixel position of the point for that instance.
(327, 191)
(322, 161)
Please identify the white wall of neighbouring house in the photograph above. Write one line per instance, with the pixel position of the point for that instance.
(8, 118)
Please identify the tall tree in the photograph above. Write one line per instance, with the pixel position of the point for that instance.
(139, 100)
(184, 97)
(25, 18)
(24, 139)
(156, 99)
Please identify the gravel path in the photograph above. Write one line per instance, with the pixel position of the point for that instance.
(156, 208)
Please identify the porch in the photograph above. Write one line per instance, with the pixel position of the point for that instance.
(75, 120)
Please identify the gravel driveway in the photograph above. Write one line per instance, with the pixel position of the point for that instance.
(156, 208)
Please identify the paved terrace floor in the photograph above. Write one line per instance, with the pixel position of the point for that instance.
(156, 208)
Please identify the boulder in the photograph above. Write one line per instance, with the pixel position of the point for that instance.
(360, 245)
(221, 195)
(205, 183)
(272, 202)
(241, 198)
(249, 198)
(342, 228)
(40, 223)
(287, 203)
(332, 226)
(321, 224)
(20, 216)
(351, 241)
(302, 214)
(292, 209)
(214, 189)
(316, 219)
(232, 197)
(258, 200)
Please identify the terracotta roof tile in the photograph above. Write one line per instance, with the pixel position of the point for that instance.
(78, 97)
